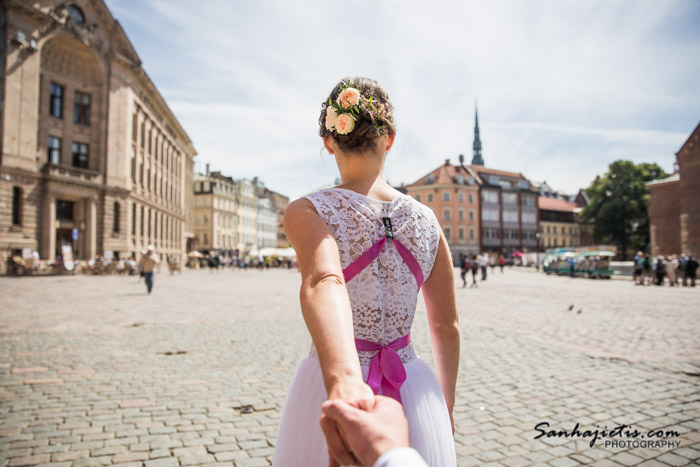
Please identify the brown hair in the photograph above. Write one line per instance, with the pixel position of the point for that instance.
(369, 126)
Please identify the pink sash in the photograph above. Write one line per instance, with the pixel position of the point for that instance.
(386, 371)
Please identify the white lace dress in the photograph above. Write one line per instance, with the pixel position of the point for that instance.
(383, 297)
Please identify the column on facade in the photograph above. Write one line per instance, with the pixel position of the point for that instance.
(48, 231)
(90, 228)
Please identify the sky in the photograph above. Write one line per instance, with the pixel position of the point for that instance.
(563, 87)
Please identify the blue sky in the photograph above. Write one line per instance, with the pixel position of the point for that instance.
(563, 87)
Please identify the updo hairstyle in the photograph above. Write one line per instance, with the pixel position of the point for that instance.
(368, 126)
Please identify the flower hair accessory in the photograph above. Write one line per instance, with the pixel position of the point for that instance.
(342, 115)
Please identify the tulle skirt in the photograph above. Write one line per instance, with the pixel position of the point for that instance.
(301, 443)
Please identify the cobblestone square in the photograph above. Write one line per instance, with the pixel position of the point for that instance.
(96, 372)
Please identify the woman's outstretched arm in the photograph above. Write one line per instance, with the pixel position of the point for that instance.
(439, 295)
(325, 303)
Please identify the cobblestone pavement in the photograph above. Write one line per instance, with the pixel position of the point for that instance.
(95, 372)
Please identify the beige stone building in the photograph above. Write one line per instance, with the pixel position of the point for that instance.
(92, 157)
(559, 226)
(280, 202)
(215, 212)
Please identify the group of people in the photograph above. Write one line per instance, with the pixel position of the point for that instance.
(657, 270)
(216, 261)
(476, 263)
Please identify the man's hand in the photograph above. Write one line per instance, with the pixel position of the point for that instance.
(366, 433)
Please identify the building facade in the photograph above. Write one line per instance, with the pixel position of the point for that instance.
(92, 157)
(509, 216)
(246, 192)
(280, 202)
(452, 192)
(215, 212)
(558, 223)
(266, 220)
(674, 209)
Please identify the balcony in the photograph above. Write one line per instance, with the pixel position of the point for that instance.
(65, 173)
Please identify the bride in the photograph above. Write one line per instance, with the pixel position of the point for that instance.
(364, 251)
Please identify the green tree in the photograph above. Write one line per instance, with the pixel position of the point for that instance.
(618, 203)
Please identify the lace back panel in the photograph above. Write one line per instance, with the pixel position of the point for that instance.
(383, 296)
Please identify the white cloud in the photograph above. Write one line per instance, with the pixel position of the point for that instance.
(564, 87)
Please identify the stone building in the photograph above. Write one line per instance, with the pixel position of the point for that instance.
(558, 223)
(215, 212)
(266, 229)
(92, 157)
(674, 209)
(246, 193)
(452, 192)
(280, 202)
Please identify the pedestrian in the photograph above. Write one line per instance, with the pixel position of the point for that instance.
(466, 266)
(646, 270)
(492, 263)
(637, 268)
(660, 270)
(682, 266)
(483, 262)
(691, 269)
(475, 270)
(501, 262)
(671, 269)
(148, 263)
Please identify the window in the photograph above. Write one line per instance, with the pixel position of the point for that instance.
(471, 234)
(554, 230)
(448, 233)
(471, 215)
(460, 197)
(529, 201)
(471, 197)
(76, 14)
(143, 212)
(56, 100)
(206, 239)
(81, 108)
(81, 154)
(430, 197)
(461, 233)
(446, 214)
(54, 150)
(133, 219)
(510, 216)
(490, 214)
(64, 210)
(488, 196)
(509, 198)
(134, 127)
(16, 205)
(206, 220)
(461, 214)
(446, 196)
(548, 229)
(115, 220)
(529, 217)
(418, 198)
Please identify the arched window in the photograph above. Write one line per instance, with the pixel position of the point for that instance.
(115, 225)
(16, 205)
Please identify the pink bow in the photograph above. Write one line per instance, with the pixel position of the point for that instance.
(386, 371)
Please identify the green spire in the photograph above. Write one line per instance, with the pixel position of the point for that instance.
(477, 159)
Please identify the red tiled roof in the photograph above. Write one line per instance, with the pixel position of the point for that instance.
(504, 173)
(555, 204)
(443, 175)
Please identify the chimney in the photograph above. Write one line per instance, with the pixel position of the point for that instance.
(447, 162)
(207, 169)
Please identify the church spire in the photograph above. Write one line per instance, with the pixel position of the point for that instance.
(477, 159)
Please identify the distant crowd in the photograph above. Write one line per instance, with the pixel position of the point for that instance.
(661, 270)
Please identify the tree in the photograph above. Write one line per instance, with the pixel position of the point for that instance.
(618, 205)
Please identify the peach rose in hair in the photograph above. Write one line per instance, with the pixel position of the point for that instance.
(345, 124)
(331, 118)
(348, 98)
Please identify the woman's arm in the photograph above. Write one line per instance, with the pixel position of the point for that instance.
(325, 303)
(439, 295)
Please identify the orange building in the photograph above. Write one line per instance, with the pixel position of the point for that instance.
(452, 192)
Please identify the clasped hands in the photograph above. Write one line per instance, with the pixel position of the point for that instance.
(359, 426)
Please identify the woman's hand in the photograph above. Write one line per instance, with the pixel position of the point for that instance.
(357, 394)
